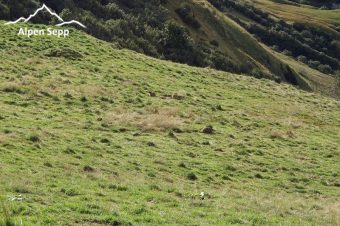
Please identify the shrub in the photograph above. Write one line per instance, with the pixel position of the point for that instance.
(69, 192)
(287, 52)
(47, 164)
(88, 168)
(34, 138)
(302, 59)
(314, 63)
(325, 69)
(192, 176)
(214, 43)
(182, 165)
(186, 14)
(83, 99)
(105, 141)
(118, 187)
(66, 53)
(257, 73)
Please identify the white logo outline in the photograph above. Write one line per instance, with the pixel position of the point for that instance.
(25, 20)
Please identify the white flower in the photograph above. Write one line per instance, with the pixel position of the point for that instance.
(202, 195)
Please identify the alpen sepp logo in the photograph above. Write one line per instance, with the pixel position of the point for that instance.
(49, 31)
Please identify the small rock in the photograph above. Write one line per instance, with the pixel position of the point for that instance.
(206, 143)
(177, 97)
(208, 130)
(105, 141)
(88, 169)
(172, 134)
(219, 150)
(152, 94)
(151, 144)
(177, 130)
(47, 164)
(219, 107)
(232, 136)
(192, 176)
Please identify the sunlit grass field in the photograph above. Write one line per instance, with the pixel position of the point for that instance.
(92, 135)
(327, 19)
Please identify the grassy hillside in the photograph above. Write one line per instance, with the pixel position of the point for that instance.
(328, 19)
(236, 43)
(307, 46)
(92, 135)
(316, 80)
(198, 33)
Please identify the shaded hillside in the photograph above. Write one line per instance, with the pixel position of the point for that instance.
(324, 4)
(92, 135)
(310, 45)
(169, 31)
(143, 26)
(233, 41)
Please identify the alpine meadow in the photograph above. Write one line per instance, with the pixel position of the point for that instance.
(168, 112)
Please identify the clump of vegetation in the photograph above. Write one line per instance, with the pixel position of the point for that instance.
(188, 16)
(66, 53)
(88, 168)
(34, 138)
(208, 130)
(69, 192)
(192, 176)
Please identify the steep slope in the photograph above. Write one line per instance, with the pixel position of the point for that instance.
(92, 135)
(316, 80)
(234, 41)
(206, 37)
(307, 45)
(327, 19)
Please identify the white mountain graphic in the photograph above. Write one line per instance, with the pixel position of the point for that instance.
(44, 7)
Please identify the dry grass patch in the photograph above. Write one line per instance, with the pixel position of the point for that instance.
(293, 123)
(92, 90)
(282, 135)
(4, 138)
(149, 119)
(333, 210)
(33, 61)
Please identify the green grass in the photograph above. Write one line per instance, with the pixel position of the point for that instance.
(327, 19)
(111, 137)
